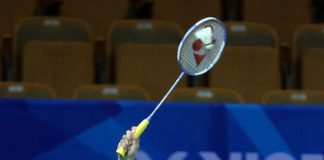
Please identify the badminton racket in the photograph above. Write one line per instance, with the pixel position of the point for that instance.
(198, 52)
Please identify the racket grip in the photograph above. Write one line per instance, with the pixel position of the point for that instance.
(141, 127)
(121, 152)
(138, 132)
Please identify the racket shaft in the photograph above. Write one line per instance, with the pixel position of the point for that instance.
(166, 95)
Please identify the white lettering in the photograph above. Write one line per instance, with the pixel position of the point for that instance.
(279, 155)
(251, 156)
(209, 156)
(179, 155)
(312, 157)
(235, 156)
(141, 155)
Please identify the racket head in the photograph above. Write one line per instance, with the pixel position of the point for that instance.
(201, 47)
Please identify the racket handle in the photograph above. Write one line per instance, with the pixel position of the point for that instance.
(138, 132)
(121, 152)
(141, 128)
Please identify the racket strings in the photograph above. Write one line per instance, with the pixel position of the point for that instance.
(202, 47)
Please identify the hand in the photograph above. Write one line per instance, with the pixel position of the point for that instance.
(130, 144)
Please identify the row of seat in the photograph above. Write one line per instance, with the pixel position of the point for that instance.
(138, 31)
(186, 14)
(250, 70)
(55, 29)
(135, 93)
(103, 13)
(62, 45)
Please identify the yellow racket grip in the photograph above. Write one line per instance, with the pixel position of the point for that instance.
(139, 130)
(141, 127)
(121, 152)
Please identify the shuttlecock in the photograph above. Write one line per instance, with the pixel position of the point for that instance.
(205, 35)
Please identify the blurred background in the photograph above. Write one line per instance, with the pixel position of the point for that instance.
(126, 50)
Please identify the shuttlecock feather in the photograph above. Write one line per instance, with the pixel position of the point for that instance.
(205, 35)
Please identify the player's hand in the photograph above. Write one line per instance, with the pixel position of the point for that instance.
(130, 144)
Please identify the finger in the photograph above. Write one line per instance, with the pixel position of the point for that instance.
(123, 145)
(122, 141)
(133, 129)
(126, 142)
(133, 149)
(119, 145)
(135, 143)
(129, 135)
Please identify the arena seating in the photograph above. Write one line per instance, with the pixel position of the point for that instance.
(62, 66)
(211, 95)
(253, 52)
(294, 97)
(306, 38)
(252, 71)
(178, 11)
(152, 67)
(111, 92)
(25, 90)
